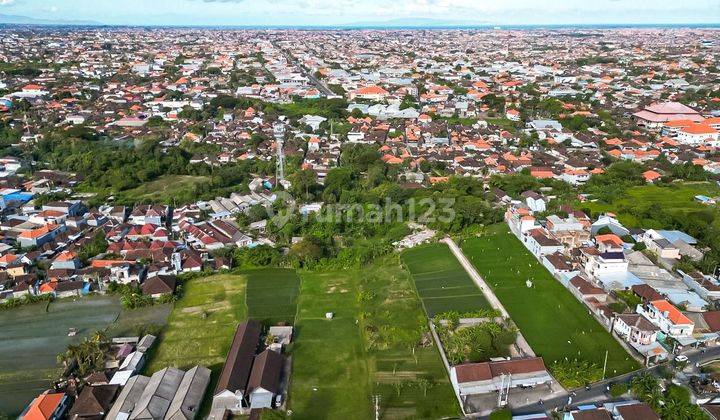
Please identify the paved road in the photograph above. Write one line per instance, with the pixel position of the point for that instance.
(314, 80)
(521, 343)
(598, 391)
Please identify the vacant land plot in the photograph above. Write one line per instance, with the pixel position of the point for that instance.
(163, 189)
(272, 295)
(441, 282)
(635, 209)
(202, 324)
(32, 337)
(371, 346)
(554, 322)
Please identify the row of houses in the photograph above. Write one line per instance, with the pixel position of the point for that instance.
(604, 265)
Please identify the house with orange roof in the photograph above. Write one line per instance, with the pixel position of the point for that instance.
(391, 160)
(698, 134)
(671, 128)
(477, 145)
(375, 93)
(541, 173)
(438, 179)
(66, 260)
(667, 317)
(7, 259)
(609, 243)
(651, 176)
(39, 236)
(575, 176)
(614, 142)
(713, 122)
(46, 406)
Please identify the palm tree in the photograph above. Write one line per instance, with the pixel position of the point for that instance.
(646, 388)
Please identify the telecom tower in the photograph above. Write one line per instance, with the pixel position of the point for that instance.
(279, 131)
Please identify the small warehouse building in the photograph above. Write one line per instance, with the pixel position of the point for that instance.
(486, 377)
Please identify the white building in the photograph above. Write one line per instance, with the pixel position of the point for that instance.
(541, 244)
(667, 317)
(606, 263)
(697, 134)
(489, 377)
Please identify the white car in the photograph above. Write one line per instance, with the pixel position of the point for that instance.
(681, 358)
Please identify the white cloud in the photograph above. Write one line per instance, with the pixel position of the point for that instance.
(6, 2)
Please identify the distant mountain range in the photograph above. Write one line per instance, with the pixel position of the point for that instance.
(24, 20)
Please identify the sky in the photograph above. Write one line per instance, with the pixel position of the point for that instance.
(338, 12)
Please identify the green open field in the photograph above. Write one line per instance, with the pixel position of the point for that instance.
(676, 199)
(554, 322)
(202, 324)
(32, 338)
(272, 295)
(369, 347)
(201, 327)
(162, 189)
(441, 282)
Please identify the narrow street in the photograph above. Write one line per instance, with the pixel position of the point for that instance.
(314, 80)
(598, 392)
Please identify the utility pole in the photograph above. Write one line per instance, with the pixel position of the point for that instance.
(279, 131)
(605, 364)
(376, 401)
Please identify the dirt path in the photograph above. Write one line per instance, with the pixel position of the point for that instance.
(521, 344)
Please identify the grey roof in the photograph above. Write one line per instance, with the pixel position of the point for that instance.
(158, 394)
(189, 394)
(129, 396)
(674, 235)
(146, 342)
(663, 243)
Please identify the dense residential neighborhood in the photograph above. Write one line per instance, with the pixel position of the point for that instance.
(216, 223)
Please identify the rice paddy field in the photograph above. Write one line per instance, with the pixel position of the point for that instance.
(33, 335)
(553, 321)
(272, 295)
(441, 282)
(371, 346)
(677, 199)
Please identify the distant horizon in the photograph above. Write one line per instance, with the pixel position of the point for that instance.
(349, 13)
(377, 26)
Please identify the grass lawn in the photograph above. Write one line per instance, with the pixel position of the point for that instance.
(272, 295)
(201, 327)
(202, 324)
(676, 199)
(441, 281)
(366, 349)
(554, 322)
(162, 189)
(32, 338)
